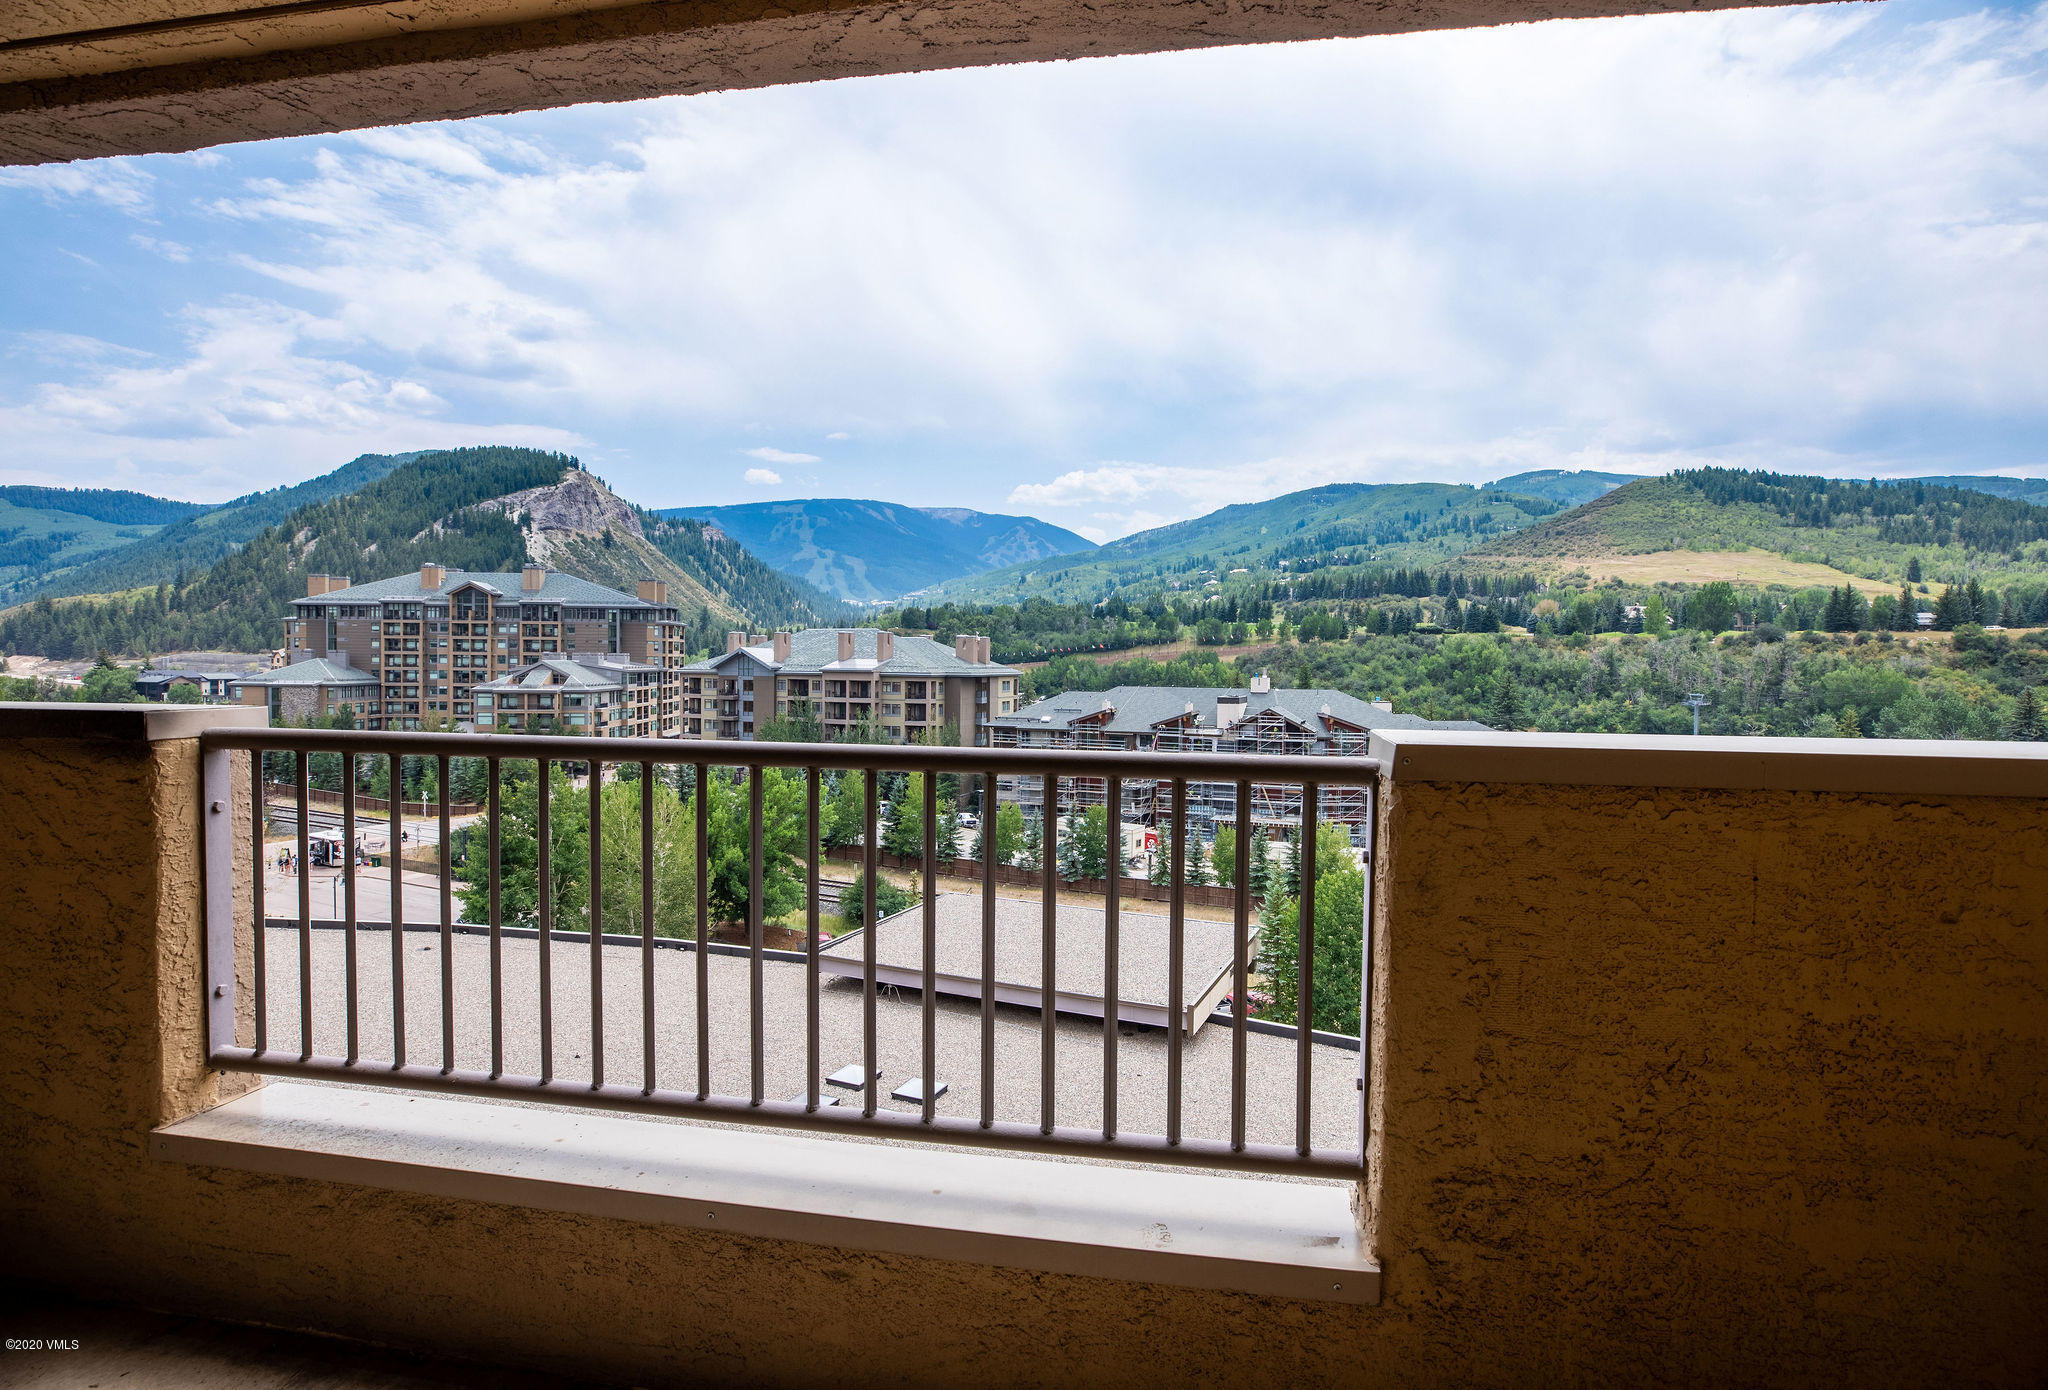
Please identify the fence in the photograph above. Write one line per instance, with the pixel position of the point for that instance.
(225, 846)
(318, 797)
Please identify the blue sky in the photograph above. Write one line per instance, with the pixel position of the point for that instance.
(1112, 293)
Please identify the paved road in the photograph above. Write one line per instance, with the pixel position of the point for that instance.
(373, 894)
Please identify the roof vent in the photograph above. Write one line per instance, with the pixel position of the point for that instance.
(1262, 684)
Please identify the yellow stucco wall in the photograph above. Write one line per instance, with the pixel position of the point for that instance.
(1734, 1088)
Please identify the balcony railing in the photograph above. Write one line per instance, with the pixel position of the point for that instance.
(813, 1110)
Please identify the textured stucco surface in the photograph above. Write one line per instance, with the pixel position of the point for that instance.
(387, 64)
(1729, 1088)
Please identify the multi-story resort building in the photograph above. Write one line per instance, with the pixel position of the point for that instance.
(903, 686)
(417, 648)
(1314, 723)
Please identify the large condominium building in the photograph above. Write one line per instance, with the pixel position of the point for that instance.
(595, 693)
(903, 686)
(418, 647)
(1313, 723)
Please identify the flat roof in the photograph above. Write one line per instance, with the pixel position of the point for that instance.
(1080, 957)
(1078, 1054)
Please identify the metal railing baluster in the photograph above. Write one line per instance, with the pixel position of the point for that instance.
(647, 927)
(930, 1001)
(259, 854)
(447, 924)
(303, 773)
(989, 808)
(349, 968)
(1048, 950)
(703, 837)
(1176, 950)
(544, 836)
(495, 871)
(871, 851)
(1112, 950)
(1240, 966)
(397, 870)
(596, 922)
(756, 933)
(811, 1060)
(1305, 978)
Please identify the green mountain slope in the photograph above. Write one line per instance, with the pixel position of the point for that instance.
(194, 542)
(2033, 490)
(869, 551)
(1337, 526)
(1567, 489)
(46, 532)
(1873, 531)
(431, 508)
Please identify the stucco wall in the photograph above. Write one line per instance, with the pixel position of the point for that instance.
(1728, 1088)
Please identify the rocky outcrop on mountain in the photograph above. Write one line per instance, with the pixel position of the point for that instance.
(578, 507)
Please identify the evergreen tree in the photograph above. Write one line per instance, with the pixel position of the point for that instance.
(1973, 599)
(1505, 710)
(1259, 872)
(1913, 575)
(1847, 725)
(1069, 855)
(1288, 880)
(1198, 862)
(1161, 872)
(1905, 621)
(1032, 844)
(2028, 721)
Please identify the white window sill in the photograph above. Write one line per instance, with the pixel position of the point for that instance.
(1154, 1225)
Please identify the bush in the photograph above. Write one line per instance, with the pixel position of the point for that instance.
(889, 899)
(1769, 632)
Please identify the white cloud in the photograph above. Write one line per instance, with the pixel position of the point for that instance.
(121, 184)
(169, 250)
(1131, 290)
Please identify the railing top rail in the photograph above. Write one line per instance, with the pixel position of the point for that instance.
(1337, 771)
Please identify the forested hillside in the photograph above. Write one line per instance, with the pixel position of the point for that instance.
(110, 505)
(1873, 531)
(1346, 524)
(238, 603)
(468, 509)
(45, 531)
(1974, 685)
(1567, 489)
(193, 542)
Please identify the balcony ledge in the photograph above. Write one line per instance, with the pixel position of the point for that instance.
(1899, 767)
(1286, 1239)
(132, 723)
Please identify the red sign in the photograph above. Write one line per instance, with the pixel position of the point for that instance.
(1151, 841)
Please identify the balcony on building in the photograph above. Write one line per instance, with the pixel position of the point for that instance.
(1673, 1065)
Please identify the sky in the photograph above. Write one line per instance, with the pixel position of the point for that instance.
(1111, 293)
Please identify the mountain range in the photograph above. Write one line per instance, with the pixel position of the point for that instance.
(128, 572)
(491, 509)
(875, 551)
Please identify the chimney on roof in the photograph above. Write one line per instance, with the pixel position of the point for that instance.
(845, 645)
(756, 640)
(532, 578)
(885, 645)
(963, 647)
(981, 650)
(653, 591)
(781, 647)
(316, 585)
(432, 577)
(1262, 684)
(734, 641)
